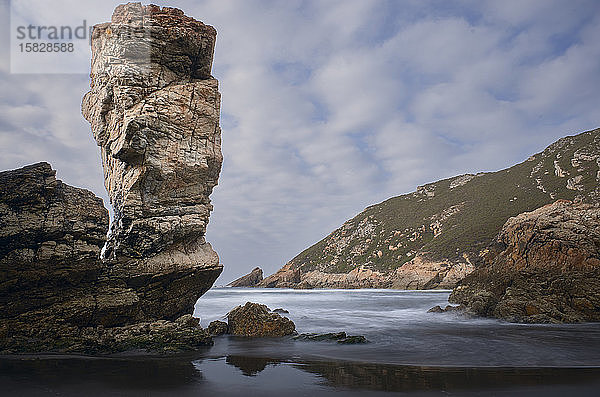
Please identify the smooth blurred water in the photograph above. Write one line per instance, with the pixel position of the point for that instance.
(401, 331)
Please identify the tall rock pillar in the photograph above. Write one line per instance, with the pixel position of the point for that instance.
(154, 110)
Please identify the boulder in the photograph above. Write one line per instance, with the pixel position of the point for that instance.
(217, 328)
(256, 320)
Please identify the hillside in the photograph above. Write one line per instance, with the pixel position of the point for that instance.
(433, 237)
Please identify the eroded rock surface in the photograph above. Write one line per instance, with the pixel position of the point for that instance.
(249, 280)
(51, 235)
(543, 267)
(255, 320)
(154, 111)
(56, 295)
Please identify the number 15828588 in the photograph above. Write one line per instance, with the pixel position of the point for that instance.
(46, 47)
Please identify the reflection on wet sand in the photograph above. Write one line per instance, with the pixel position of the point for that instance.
(237, 374)
(72, 372)
(250, 366)
(421, 378)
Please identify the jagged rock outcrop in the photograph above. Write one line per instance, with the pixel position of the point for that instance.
(56, 295)
(544, 266)
(51, 235)
(249, 280)
(255, 320)
(434, 237)
(154, 111)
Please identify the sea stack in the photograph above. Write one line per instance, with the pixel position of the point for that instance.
(249, 280)
(154, 110)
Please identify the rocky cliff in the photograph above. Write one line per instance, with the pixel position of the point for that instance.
(544, 266)
(249, 280)
(51, 235)
(434, 237)
(154, 111)
(55, 292)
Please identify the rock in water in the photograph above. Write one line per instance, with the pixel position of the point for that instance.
(217, 328)
(254, 319)
(543, 267)
(249, 280)
(154, 110)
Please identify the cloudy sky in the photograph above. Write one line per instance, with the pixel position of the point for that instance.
(329, 106)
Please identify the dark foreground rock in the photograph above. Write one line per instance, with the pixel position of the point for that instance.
(251, 279)
(255, 320)
(56, 295)
(155, 115)
(159, 336)
(544, 267)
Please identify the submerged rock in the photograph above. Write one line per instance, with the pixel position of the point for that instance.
(280, 310)
(249, 280)
(217, 328)
(544, 267)
(447, 309)
(154, 110)
(254, 319)
(339, 337)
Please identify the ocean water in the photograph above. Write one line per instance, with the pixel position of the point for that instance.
(410, 352)
(401, 331)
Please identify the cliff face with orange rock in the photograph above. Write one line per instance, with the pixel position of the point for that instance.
(544, 266)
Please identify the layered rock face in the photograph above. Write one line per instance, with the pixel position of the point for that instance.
(544, 266)
(154, 111)
(51, 235)
(249, 280)
(55, 292)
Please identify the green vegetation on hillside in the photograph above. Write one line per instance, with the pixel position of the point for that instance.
(456, 218)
